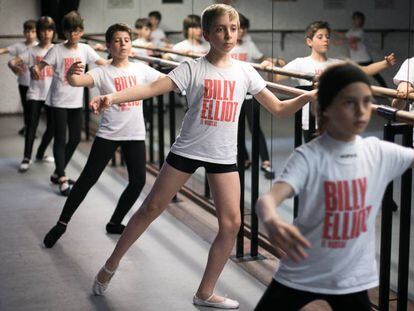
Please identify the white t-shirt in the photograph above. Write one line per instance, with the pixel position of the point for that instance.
(246, 51)
(157, 37)
(360, 54)
(38, 89)
(187, 46)
(61, 94)
(139, 51)
(214, 96)
(17, 49)
(340, 187)
(308, 65)
(124, 121)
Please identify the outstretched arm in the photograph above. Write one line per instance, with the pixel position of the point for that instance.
(283, 108)
(76, 76)
(138, 92)
(4, 51)
(16, 65)
(285, 238)
(377, 67)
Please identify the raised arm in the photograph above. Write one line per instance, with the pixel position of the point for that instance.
(4, 51)
(76, 76)
(138, 92)
(377, 67)
(283, 108)
(285, 238)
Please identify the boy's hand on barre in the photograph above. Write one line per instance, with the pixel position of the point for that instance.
(403, 90)
(390, 59)
(286, 239)
(100, 103)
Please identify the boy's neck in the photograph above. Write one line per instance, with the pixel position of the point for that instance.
(194, 41)
(337, 136)
(120, 62)
(45, 45)
(71, 45)
(218, 59)
(29, 42)
(319, 57)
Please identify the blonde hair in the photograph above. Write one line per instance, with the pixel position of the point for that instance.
(213, 11)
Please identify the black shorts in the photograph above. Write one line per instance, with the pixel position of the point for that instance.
(189, 166)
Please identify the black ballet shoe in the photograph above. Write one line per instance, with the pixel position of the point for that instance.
(54, 234)
(114, 229)
(268, 171)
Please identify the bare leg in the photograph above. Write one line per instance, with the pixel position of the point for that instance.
(167, 184)
(228, 215)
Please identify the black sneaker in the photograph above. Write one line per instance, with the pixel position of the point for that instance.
(268, 171)
(64, 188)
(115, 229)
(54, 179)
(54, 234)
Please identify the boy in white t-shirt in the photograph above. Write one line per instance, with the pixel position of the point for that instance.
(215, 86)
(121, 126)
(143, 33)
(328, 252)
(22, 72)
(65, 101)
(158, 38)
(355, 40)
(404, 80)
(318, 40)
(37, 92)
(193, 43)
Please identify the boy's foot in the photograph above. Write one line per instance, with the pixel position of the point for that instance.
(114, 229)
(268, 171)
(24, 166)
(54, 179)
(215, 301)
(54, 234)
(45, 159)
(101, 281)
(64, 187)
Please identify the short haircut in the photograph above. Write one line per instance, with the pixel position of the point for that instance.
(29, 24)
(215, 10)
(244, 22)
(360, 15)
(191, 21)
(72, 21)
(155, 14)
(45, 23)
(314, 27)
(142, 22)
(109, 34)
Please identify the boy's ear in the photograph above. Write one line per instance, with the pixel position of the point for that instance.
(205, 35)
(309, 42)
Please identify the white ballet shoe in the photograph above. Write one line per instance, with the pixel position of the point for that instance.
(98, 288)
(227, 303)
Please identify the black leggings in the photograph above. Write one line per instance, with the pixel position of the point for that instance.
(264, 153)
(23, 91)
(283, 298)
(34, 109)
(101, 152)
(63, 151)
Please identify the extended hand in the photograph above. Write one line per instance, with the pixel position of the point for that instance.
(390, 59)
(77, 68)
(100, 103)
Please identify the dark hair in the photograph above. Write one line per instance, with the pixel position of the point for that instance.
(29, 24)
(72, 21)
(155, 14)
(314, 27)
(109, 34)
(244, 22)
(331, 82)
(191, 21)
(360, 15)
(45, 23)
(142, 22)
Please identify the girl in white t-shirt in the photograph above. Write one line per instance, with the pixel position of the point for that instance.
(37, 92)
(328, 252)
(22, 72)
(65, 101)
(215, 86)
(120, 126)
